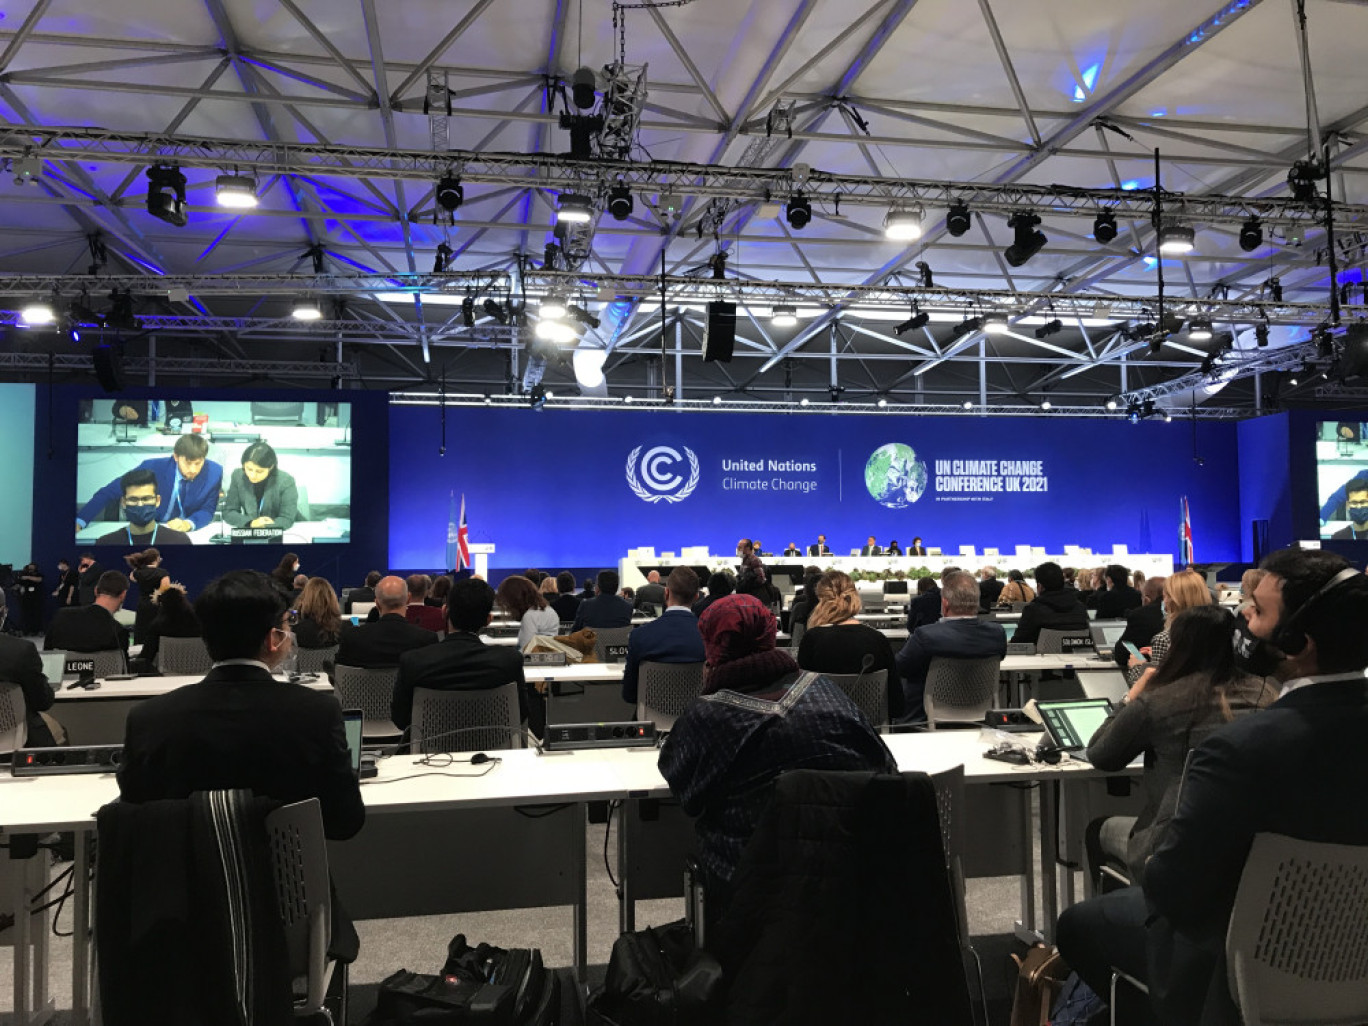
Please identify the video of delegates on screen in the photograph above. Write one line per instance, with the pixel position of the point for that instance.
(157, 472)
(1342, 479)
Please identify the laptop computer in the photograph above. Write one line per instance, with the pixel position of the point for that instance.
(1071, 723)
(1105, 636)
(1009, 629)
(54, 665)
(351, 723)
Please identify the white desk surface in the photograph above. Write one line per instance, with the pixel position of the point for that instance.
(303, 531)
(151, 687)
(583, 672)
(1083, 661)
(45, 804)
(522, 776)
(283, 437)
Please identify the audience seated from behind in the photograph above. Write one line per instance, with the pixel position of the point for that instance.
(441, 588)
(419, 611)
(379, 643)
(926, 607)
(523, 604)
(241, 728)
(607, 608)
(720, 585)
(1142, 623)
(836, 642)
(92, 628)
(990, 588)
(364, 594)
(958, 634)
(629, 594)
(174, 618)
(20, 664)
(548, 589)
(651, 594)
(1055, 608)
(1118, 598)
(463, 662)
(1070, 578)
(1287, 769)
(147, 574)
(1016, 589)
(759, 716)
(671, 638)
(1182, 591)
(566, 603)
(320, 617)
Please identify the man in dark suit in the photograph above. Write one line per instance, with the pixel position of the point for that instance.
(92, 628)
(1144, 623)
(242, 728)
(958, 634)
(1293, 768)
(673, 638)
(1055, 607)
(926, 607)
(871, 547)
(187, 487)
(793, 550)
(88, 572)
(19, 664)
(652, 593)
(380, 642)
(607, 608)
(989, 588)
(463, 662)
(418, 611)
(366, 594)
(566, 603)
(820, 548)
(1119, 598)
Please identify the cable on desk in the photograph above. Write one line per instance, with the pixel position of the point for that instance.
(608, 829)
(430, 773)
(542, 810)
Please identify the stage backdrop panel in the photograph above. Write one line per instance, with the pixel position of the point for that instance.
(16, 475)
(561, 487)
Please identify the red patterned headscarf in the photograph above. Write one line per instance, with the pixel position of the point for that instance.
(738, 643)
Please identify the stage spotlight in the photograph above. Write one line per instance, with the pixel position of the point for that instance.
(1049, 328)
(620, 202)
(1209, 364)
(552, 307)
(441, 258)
(450, 194)
(1261, 335)
(919, 319)
(121, 316)
(798, 212)
(236, 192)
(803, 401)
(495, 310)
(468, 311)
(1176, 239)
(1104, 227)
(1027, 242)
(957, 219)
(1251, 235)
(1168, 417)
(582, 88)
(717, 263)
(968, 404)
(903, 224)
(1199, 329)
(717, 400)
(306, 310)
(1111, 404)
(1147, 408)
(994, 324)
(38, 314)
(968, 325)
(882, 403)
(537, 397)
(924, 275)
(574, 209)
(1133, 413)
(784, 316)
(1046, 405)
(1325, 344)
(1302, 179)
(166, 195)
(582, 315)
(552, 330)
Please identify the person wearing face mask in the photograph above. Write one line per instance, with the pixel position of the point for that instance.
(240, 727)
(139, 504)
(1181, 591)
(187, 487)
(1356, 510)
(260, 494)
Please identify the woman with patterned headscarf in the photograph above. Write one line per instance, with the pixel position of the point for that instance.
(759, 716)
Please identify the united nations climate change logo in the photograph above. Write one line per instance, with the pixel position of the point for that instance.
(661, 473)
(894, 475)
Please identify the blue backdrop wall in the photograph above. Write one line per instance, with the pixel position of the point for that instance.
(576, 488)
(1265, 482)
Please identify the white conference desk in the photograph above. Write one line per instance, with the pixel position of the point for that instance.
(303, 532)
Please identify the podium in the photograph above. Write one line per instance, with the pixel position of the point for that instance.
(479, 555)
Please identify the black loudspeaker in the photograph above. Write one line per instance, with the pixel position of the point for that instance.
(109, 368)
(719, 337)
(1260, 544)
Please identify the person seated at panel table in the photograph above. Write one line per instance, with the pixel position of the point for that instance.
(871, 547)
(260, 494)
(139, 507)
(1118, 598)
(92, 628)
(172, 617)
(1182, 591)
(793, 550)
(187, 484)
(819, 547)
(958, 634)
(1055, 608)
(759, 716)
(916, 548)
(670, 638)
(893, 549)
(1144, 623)
(1356, 510)
(836, 642)
(320, 615)
(523, 604)
(380, 643)
(566, 603)
(364, 594)
(463, 662)
(241, 728)
(605, 609)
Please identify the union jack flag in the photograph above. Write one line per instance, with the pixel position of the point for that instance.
(1186, 556)
(458, 537)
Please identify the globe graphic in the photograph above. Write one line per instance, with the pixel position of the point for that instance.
(894, 476)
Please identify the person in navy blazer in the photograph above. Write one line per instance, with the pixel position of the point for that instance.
(958, 634)
(187, 481)
(671, 638)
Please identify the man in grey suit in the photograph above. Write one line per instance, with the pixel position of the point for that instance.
(958, 634)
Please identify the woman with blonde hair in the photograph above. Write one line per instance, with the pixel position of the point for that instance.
(1248, 582)
(549, 587)
(320, 615)
(522, 602)
(1182, 591)
(836, 642)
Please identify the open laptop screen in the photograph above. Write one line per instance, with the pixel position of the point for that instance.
(351, 722)
(1071, 724)
(54, 665)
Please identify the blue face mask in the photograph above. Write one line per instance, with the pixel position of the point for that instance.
(140, 516)
(1359, 515)
(1163, 607)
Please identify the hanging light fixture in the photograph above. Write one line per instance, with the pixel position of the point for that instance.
(1176, 239)
(903, 224)
(784, 316)
(306, 310)
(574, 209)
(236, 192)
